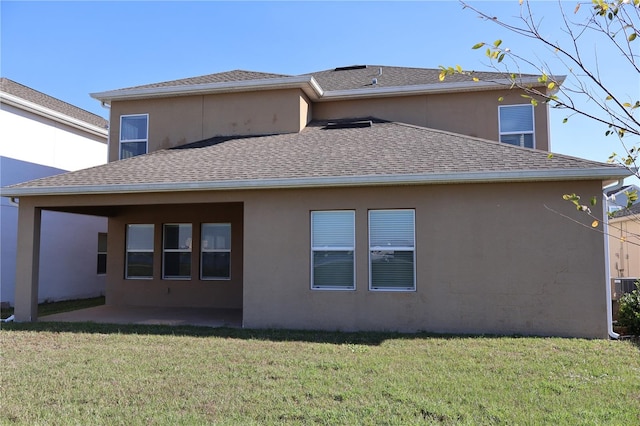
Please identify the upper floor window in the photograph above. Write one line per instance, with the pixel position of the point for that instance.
(392, 250)
(134, 131)
(332, 250)
(517, 125)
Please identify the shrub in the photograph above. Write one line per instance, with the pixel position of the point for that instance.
(629, 313)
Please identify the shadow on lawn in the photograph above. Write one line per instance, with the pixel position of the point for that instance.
(314, 336)
(335, 337)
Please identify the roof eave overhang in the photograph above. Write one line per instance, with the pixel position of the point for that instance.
(432, 88)
(310, 87)
(306, 83)
(15, 101)
(601, 174)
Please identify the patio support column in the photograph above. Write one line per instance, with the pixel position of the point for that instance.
(27, 262)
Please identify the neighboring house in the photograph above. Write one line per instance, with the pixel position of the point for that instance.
(359, 198)
(624, 242)
(617, 199)
(44, 136)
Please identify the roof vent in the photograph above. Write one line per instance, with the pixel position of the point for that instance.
(352, 67)
(348, 124)
(374, 81)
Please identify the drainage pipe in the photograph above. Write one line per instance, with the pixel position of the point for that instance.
(605, 226)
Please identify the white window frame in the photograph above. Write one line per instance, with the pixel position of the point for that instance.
(382, 249)
(187, 248)
(123, 141)
(147, 250)
(531, 132)
(351, 249)
(204, 250)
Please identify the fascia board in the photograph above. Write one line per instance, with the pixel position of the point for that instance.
(602, 173)
(307, 83)
(310, 86)
(433, 88)
(42, 111)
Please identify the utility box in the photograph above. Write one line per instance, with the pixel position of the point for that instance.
(620, 286)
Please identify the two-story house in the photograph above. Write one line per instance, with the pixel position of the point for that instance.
(357, 198)
(43, 136)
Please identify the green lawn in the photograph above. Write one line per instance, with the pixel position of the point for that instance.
(55, 373)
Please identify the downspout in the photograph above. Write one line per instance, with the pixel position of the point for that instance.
(605, 224)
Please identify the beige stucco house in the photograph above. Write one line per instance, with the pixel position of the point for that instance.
(358, 198)
(624, 249)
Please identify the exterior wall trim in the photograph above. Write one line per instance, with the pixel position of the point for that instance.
(600, 173)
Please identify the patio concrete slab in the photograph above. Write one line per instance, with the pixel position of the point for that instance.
(108, 314)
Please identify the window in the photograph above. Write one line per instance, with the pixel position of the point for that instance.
(139, 251)
(516, 125)
(392, 250)
(102, 254)
(176, 251)
(215, 255)
(133, 135)
(332, 250)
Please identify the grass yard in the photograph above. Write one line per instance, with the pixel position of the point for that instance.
(55, 373)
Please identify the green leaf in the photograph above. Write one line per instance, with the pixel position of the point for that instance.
(565, 120)
(534, 102)
(501, 98)
(593, 201)
(497, 43)
(501, 57)
(608, 98)
(632, 36)
(550, 155)
(477, 46)
(551, 85)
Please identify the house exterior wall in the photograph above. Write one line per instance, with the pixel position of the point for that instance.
(204, 116)
(32, 147)
(490, 258)
(453, 112)
(624, 247)
(482, 264)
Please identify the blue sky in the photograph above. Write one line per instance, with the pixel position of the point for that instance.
(70, 49)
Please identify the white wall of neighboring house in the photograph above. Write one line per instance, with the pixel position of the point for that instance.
(34, 146)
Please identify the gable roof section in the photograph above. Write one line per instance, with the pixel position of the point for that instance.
(27, 98)
(339, 83)
(385, 153)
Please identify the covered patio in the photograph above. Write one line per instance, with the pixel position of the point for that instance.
(144, 315)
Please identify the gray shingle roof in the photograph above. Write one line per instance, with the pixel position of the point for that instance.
(345, 78)
(31, 95)
(382, 150)
(634, 210)
(221, 77)
(359, 78)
